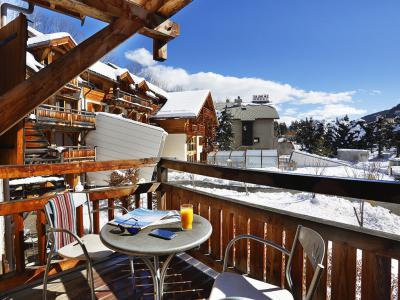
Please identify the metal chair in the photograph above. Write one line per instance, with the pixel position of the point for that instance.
(87, 248)
(230, 285)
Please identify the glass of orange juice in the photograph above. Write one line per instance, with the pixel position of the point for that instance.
(187, 216)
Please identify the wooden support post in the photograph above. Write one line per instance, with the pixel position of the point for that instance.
(110, 211)
(137, 200)
(96, 217)
(162, 176)
(79, 220)
(159, 50)
(41, 234)
(150, 200)
(19, 242)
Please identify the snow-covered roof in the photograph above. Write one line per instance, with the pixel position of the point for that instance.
(33, 32)
(32, 63)
(105, 70)
(45, 39)
(121, 117)
(138, 80)
(183, 104)
(157, 90)
(253, 112)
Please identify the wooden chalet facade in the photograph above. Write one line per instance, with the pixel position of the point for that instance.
(54, 131)
(109, 88)
(190, 119)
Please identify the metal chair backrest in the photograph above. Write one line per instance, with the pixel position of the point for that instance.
(61, 213)
(314, 248)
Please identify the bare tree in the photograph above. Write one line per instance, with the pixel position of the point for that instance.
(371, 171)
(50, 23)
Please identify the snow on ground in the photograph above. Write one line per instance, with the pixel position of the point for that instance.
(339, 171)
(322, 206)
(36, 179)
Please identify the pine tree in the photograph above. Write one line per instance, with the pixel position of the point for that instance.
(344, 136)
(329, 141)
(396, 135)
(280, 129)
(379, 134)
(224, 135)
(359, 131)
(308, 134)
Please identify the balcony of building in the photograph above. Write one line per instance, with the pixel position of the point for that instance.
(192, 129)
(127, 100)
(50, 115)
(360, 263)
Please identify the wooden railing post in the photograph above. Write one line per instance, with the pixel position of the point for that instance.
(162, 176)
(19, 242)
(41, 234)
(137, 200)
(79, 220)
(150, 200)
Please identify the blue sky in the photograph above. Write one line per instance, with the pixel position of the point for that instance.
(315, 58)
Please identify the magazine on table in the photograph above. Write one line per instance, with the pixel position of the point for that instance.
(142, 218)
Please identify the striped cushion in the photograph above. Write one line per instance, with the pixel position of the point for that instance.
(62, 210)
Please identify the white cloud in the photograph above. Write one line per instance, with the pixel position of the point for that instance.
(290, 111)
(376, 92)
(330, 111)
(329, 104)
(140, 56)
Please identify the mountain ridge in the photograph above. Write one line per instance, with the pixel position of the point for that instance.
(387, 113)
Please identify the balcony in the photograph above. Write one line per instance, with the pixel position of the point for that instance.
(48, 115)
(195, 129)
(78, 153)
(358, 261)
(128, 101)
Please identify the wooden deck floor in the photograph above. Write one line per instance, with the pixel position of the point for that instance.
(186, 279)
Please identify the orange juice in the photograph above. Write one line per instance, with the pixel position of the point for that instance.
(186, 216)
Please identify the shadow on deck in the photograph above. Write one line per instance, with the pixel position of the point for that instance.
(186, 279)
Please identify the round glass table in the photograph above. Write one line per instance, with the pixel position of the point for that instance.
(145, 246)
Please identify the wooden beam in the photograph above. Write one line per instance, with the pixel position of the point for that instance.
(108, 11)
(171, 7)
(159, 50)
(16, 103)
(19, 171)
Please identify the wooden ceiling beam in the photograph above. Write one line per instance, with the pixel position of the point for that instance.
(19, 101)
(156, 27)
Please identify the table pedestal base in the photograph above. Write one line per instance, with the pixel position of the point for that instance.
(158, 274)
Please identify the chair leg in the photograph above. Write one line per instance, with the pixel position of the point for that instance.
(47, 270)
(90, 279)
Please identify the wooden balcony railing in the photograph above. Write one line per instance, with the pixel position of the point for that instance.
(195, 130)
(78, 153)
(127, 100)
(18, 273)
(354, 254)
(54, 115)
